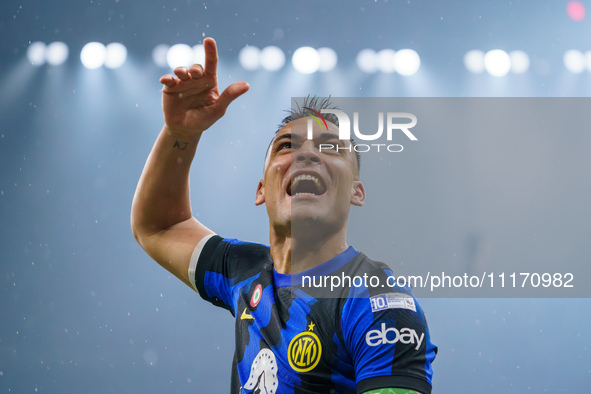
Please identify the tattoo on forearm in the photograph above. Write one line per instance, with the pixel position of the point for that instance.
(180, 145)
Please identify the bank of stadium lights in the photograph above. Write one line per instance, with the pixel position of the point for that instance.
(496, 62)
(305, 60)
(270, 58)
(404, 61)
(93, 54)
(96, 54)
(56, 53)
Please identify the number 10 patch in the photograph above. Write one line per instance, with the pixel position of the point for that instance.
(392, 301)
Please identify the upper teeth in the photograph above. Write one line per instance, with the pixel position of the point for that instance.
(305, 177)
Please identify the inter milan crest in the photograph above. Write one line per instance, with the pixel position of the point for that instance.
(256, 296)
(304, 350)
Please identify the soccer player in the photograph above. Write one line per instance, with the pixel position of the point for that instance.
(291, 336)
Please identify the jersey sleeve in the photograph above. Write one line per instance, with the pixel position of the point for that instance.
(389, 341)
(221, 264)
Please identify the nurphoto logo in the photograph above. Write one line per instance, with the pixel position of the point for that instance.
(394, 124)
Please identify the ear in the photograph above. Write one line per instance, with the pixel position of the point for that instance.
(358, 194)
(260, 196)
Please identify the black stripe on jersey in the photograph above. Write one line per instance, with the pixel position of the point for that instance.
(383, 284)
(203, 265)
(407, 358)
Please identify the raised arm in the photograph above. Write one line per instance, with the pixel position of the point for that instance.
(161, 218)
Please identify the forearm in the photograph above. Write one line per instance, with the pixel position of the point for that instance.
(162, 197)
(161, 218)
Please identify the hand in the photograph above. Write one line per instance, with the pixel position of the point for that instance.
(191, 100)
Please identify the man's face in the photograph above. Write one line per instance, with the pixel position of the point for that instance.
(304, 185)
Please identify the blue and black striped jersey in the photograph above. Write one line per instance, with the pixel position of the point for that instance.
(295, 337)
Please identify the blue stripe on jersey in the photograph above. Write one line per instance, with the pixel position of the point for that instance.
(326, 268)
(429, 357)
(234, 241)
(356, 319)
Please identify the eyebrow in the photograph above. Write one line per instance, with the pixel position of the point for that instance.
(327, 136)
(296, 137)
(287, 136)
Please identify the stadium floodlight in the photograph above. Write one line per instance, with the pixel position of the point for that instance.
(474, 61)
(407, 62)
(116, 55)
(385, 60)
(56, 53)
(159, 55)
(249, 58)
(519, 62)
(93, 55)
(497, 62)
(306, 60)
(328, 59)
(272, 58)
(180, 55)
(574, 61)
(199, 55)
(366, 61)
(36, 53)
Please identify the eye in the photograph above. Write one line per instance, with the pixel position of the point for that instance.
(284, 145)
(332, 146)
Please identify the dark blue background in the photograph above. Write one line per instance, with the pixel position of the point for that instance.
(83, 309)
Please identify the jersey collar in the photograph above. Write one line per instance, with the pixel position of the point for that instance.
(326, 268)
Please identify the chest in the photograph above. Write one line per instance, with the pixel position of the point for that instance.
(288, 339)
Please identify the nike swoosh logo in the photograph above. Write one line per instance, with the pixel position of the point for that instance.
(245, 315)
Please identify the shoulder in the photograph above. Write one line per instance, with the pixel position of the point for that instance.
(378, 278)
(375, 297)
(232, 249)
(228, 258)
(363, 264)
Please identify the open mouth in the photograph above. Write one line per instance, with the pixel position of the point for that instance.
(306, 185)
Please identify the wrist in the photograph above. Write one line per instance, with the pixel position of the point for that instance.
(182, 136)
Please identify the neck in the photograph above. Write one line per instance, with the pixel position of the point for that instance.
(292, 255)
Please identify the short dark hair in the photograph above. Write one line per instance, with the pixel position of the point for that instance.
(316, 103)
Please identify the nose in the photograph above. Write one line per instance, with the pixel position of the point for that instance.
(307, 152)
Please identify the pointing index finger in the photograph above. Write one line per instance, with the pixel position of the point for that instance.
(211, 56)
